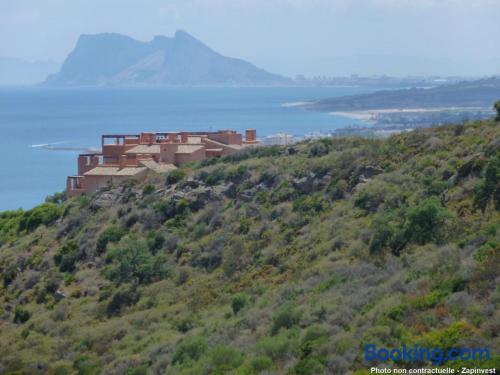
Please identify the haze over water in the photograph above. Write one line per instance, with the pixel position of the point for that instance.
(76, 118)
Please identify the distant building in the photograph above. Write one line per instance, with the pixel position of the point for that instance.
(125, 157)
(281, 139)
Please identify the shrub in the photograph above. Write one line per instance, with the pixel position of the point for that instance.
(286, 318)
(190, 350)
(148, 189)
(56, 198)
(277, 347)
(21, 315)
(239, 302)
(67, 256)
(132, 261)
(44, 214)
(9, 274)
(175, 176)
(426, 222)
(236, 174)
(111, 234)
(199, 230)
(389, 232)
(86, 364)
(171, 209)
(490, 187)
(310, 366)
(311, 203)
(261, 363)
(122, 299)
(447, 338)
(155, 241)
(215, 176)
(225, 359)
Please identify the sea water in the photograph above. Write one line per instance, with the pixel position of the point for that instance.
(42, 129)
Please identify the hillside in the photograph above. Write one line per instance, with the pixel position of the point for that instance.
(480, 93)
(272, 261)
(114, 59)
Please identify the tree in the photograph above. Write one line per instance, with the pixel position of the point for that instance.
(497, 108)
(490, 186)
(132, 261)
(426, 222)
(239, 302)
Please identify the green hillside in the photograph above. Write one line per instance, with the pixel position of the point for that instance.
(272, 261)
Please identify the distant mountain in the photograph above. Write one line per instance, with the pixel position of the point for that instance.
(14, 71)
(480, 93)
(114, 59)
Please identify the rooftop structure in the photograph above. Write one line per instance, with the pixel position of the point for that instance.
(130, 156)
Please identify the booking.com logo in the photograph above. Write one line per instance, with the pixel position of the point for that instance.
(419, 354)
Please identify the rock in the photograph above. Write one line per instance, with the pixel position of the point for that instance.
(434, 143)
(178, 195)
(106, 199)
(493, 147)
(472, 165)
(200, 196)
(59, 295)
(304, 184)
(368, 171)
(190, 182)
(229, 190)
(246, 195)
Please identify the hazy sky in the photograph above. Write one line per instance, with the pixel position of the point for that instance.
(331, 37)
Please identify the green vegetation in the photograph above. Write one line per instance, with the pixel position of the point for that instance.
(274, 260)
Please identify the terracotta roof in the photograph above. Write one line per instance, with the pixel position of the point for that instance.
(188, 149)
(114, 171)
(160, 168)
(144, 149)
(194, 140)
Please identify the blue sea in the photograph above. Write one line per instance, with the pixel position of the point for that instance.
(75, 118)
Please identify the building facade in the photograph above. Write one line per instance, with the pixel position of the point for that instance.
(130, 156)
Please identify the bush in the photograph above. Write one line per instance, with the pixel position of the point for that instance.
(277, 347)
(310, 366)
(225, 359)
(155, 241)
(148, 189)
(56, 198)
(199, 230)
(67, 256)
(215, 176)
(190, 350)
(175, 176)
(127, 296)
(9, 274)
(44, 214)
(236, 174)
(111, 234)
(261, 363)
(489, 188)
(171, 209)
(426, 222)
(21, 315)
(132, 261)
(239, 302)
(86, 364)
(286, 318)
(311, 203)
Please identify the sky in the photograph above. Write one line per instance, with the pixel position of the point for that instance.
(290, 37)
